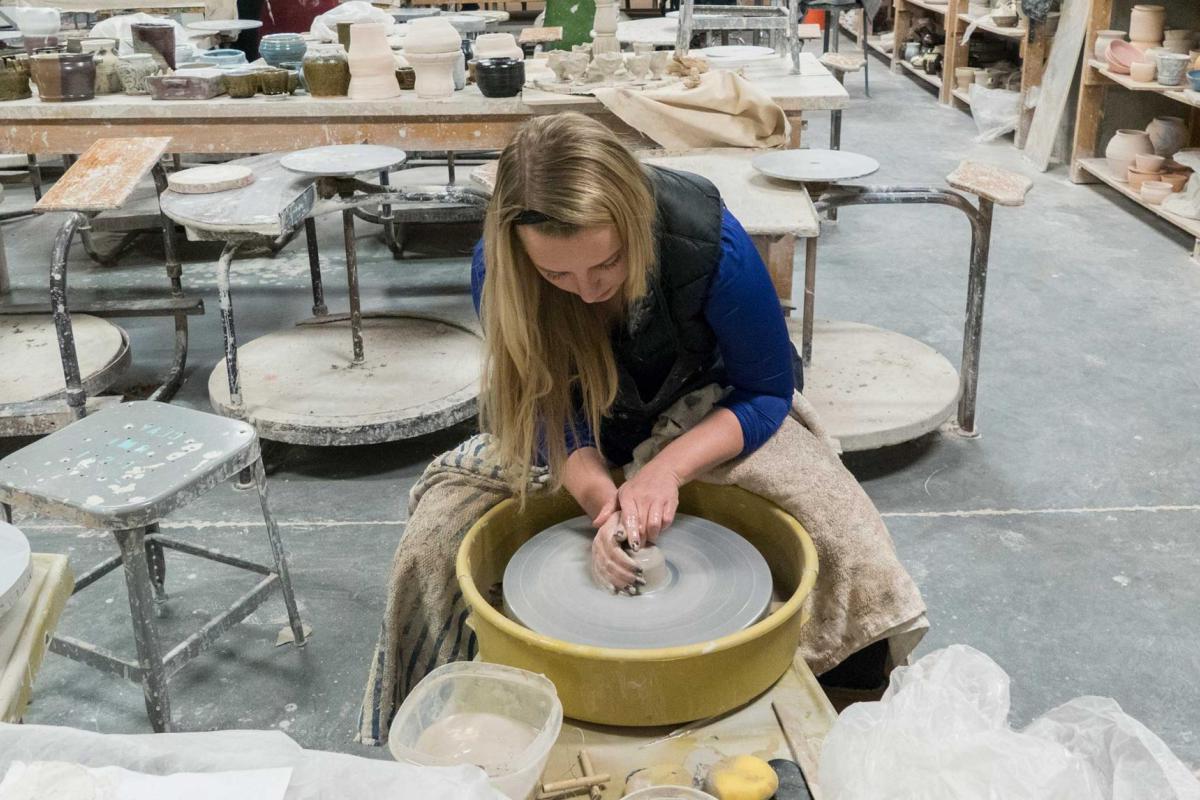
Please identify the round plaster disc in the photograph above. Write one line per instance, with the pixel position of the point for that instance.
(210, 179)
(223, 25)
(15, 567)
(816, 166)
(735, 52)
(30, 367)
(718, 585)
(343, 160)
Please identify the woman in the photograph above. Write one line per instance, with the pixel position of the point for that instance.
(613, 297)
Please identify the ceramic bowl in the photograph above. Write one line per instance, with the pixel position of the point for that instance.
(1193, 77)
(1149, 162)
(500, 77)
(241, 83)
(222, 58)
(280, 48)
(1154, 192)
(1137, 178)
(1005, 20)
(1177, 180)
(1143, 71)
(274, 81)
(1120, 55)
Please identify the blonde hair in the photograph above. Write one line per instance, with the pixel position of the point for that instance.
(545, 348)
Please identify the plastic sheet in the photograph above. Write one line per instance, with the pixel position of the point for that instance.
(316, 775)
(996, 112)
(325, 26)
(941, 733)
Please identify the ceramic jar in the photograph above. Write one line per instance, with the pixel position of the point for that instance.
(1146, 23)
(1167, 134)
(278, 49)
(1171, 68)
(497, 45)
(433, 54)
(156, 39)
(108, 80)
(14, 80)
(326, 71)
(1123, 148)
(501, 77)
(1102, 40)
(372, 65)
(133, 71)
(65, 77)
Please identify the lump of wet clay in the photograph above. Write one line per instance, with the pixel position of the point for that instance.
(741, 778)
(653, 566)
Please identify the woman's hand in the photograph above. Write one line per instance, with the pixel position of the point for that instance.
(648, 502)
(611, 565)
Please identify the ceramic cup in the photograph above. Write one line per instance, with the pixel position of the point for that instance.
(1193, 77)
(1171, 68)
(1143, 71)
(1147, 162)
(273, 81)
(501, 77)
(241, 83)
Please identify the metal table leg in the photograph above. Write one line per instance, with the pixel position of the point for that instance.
(145, 635)
(352, 281)
(280, 555)
(314, 268)
(226, 300)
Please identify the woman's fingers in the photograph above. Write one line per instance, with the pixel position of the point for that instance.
(654, 521)
(669, 509)
(632, 521)
(610, 562)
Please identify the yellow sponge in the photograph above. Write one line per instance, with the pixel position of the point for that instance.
(742, 778)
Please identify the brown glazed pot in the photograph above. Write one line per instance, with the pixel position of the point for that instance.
(327, 73)
(241, 84)
(157, 39)
(65, 77)
(14, 81)
(406, 77)
(274, 81)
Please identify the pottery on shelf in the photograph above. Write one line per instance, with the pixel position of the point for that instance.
(326, 71)
(223, 58)
(64, 77)
(964, 77)
(156, 39)
(1149, 162)
(108, 80)
(1102, 40)
(14, 81)
(500, 77)
(1146, 23)
(1167, 135)
(1122, 148)
(296, 79)
(1143, 71)
(1171, 68)
(1136, 177)
(497, 45)
(433, 48)
(372, 65)
(1177, 180)
(1193, 77)
(241, 83)
(133, 70)
(278, 49)
(1154, 192)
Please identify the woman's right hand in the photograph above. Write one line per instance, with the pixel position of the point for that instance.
(611, 565)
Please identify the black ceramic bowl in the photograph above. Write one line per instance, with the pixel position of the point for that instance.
(500, 77)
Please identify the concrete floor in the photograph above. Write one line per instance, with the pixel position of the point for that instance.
(1063, 542)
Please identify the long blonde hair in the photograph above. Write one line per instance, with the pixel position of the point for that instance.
(545, 345)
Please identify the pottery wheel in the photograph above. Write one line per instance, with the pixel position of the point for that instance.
(816, 166)
(15, 569)
(718, 585)
(30, 367)
(343, 160)
(210, 179)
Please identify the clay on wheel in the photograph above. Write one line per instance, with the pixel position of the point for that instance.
(654, 568)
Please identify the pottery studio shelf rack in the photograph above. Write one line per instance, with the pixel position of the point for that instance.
(1132, 103)
(1032, 43)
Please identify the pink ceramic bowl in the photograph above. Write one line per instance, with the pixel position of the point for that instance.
(1148, 162)
(1154, 192)
(1120, 55)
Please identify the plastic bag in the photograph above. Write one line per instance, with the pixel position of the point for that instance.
(325, 25)
(941, 733)
(996, 112)
(316, 775)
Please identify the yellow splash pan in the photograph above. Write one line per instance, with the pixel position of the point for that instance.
(646, 687)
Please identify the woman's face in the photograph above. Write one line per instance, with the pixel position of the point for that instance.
(590, 263)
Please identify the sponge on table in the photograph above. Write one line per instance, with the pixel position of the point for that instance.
(742, 778)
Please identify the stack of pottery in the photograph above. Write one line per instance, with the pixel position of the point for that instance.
(1178, 40)
(1146, 26)
(134, 69)
(64, 77)
(432, 48)
(1145, 167)
(1103, 39)
(108, 80)
(1123, 149)
(1167, 135)
(14, 80)
(155, 39)
(326, 71)
(278, 49)
(1121, 56)
(497, 45)
(372, 65)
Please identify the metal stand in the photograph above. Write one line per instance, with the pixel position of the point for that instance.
(778, 21)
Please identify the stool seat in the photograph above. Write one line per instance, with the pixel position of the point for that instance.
(843, 62)
(128, 466)
(105, 175)
(994, 183)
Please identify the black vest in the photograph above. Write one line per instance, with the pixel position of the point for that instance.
(667, 348)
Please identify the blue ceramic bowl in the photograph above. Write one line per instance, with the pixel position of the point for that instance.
(222, 58)
(280, 48)
(1193, 77)
(500, 77)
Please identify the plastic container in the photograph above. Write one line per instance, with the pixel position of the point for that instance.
(467, 687)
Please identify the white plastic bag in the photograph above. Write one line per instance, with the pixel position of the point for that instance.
(941, 733)
(325, 26)
(996, 112)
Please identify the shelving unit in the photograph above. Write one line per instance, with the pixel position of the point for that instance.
(1096, 82)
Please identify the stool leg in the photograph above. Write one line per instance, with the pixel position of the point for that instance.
(864, 31)
(145, 635)
(226, 301)
(314, 268)
(6, 513)
(356, 336)
(981, 240)
(281, 566)
(157, 565)
(835, 129)
(35, 176)
(76, 396)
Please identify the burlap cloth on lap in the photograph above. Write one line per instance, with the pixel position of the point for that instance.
(725, 110)
(863, 594)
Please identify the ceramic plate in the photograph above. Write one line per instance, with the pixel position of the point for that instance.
(735, 52)
(718, 585)
(343, 160)
(15, 570)
(824, 166)
(222, 25)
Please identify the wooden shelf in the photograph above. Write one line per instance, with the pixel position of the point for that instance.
(935, 8)
(1180, 94)
(873, 42)
(1098, 167)
(965, 97)
(1016, 33)
(932, 80)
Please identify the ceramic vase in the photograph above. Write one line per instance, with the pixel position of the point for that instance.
(433, 54)
(1167, 134)
(1171, 68)
(155, 39)
(108, 80)
(372, 65)
(500, 77)
(278, 49)
(65, 77)
(326, 71)
(1102, 40)
(133, 71)
(1146, 23)
(1123, 148)
(14, 81)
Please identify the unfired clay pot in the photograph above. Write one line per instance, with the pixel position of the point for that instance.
(1102, 40)
(1146, 23)
(108, 80)
(1122, 148)
(433, 48)
(1167, 134)
(497, 45)
(372, 65)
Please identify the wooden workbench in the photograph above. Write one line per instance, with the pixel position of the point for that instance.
(465, 122)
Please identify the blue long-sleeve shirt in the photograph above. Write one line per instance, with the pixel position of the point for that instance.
(751, 334)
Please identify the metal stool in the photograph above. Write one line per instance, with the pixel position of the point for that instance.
(839, 64)
(124, 469)
(833, 12)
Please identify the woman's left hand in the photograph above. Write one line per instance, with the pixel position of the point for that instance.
(648, 502)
